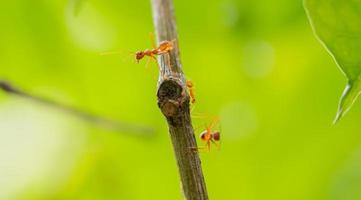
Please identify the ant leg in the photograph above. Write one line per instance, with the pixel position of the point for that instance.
(216, 144)
(147, 63)
(156, 61)
(131, 54)
(109, 53)
(124, 58)
(205, 148)
(147, 68)
(152, 40)
(214, 122)
(200, 115)
(173, 41)
(192, 99)
(193, 106)
(199, 149)
(197, 129)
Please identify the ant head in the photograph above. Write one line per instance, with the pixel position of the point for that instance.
(189, 84)
(203, 136)
(216, 136)
(139, 55)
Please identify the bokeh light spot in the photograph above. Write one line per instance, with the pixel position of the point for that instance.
(258, 59)
(238, 120)
(89, 28)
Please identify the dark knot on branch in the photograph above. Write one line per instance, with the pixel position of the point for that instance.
(171, 96)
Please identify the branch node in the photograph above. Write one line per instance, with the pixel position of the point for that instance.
(171, 96)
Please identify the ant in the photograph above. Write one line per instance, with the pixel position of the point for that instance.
(190, 87)
(163, 48)
(210, 136)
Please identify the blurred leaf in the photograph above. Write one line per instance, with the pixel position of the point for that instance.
(337, 24)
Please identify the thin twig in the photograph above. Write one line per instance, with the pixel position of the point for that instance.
(101, 122)
(173, 100)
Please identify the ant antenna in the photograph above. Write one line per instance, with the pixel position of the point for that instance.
(109, 53)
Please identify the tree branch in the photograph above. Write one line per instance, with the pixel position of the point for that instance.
(91, 118)
(173, 100)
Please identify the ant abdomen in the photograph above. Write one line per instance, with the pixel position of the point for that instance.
(216, 136)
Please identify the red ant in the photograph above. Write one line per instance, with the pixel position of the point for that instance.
(163, 48)
(210, 136)
(190, 87)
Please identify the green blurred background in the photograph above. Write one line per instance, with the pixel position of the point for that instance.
(256, 64)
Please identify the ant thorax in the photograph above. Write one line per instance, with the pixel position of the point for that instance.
(165, 46)
(205, 136)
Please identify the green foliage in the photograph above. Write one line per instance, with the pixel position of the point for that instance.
(337, 24)
(253, 63)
